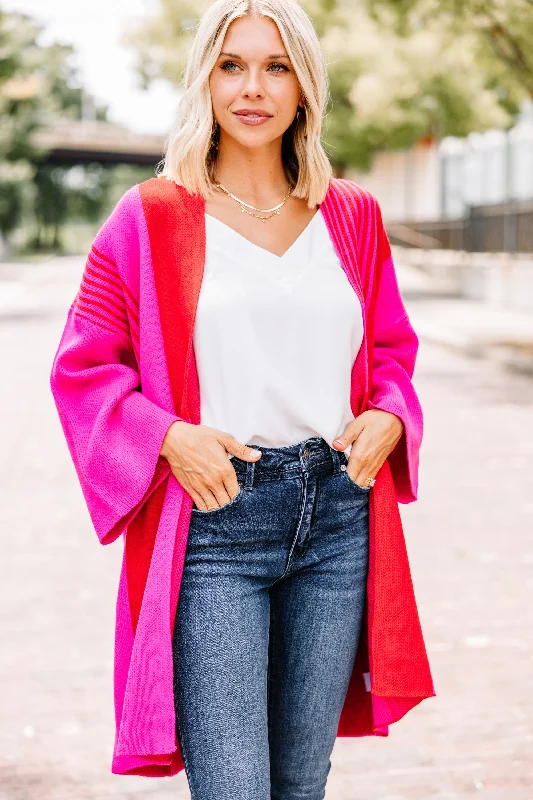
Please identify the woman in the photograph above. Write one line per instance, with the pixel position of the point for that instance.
(234, 384)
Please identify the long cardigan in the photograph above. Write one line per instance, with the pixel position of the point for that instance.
(125, 370)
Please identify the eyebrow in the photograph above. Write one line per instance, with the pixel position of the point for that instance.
(274, 55)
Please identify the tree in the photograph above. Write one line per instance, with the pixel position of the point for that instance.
(20, 114)
(501, 31)
(37, 86)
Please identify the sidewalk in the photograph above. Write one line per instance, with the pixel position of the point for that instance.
(37, 289)
(474, 328)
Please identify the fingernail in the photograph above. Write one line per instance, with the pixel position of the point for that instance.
(256, 452)
(339, 441)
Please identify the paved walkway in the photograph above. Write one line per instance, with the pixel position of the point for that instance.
(470, 540)
(478, 329)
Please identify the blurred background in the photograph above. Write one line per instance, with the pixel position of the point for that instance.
(431, 110)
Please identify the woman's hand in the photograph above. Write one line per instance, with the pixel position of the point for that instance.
(198, 458)
(374, 433)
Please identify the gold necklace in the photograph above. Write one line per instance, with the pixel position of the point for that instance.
(245, 206)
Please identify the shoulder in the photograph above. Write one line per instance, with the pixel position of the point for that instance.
(351, 189)
(156, 190)
(142, 201)
(363, 213)
(356, 201)
(159, 192)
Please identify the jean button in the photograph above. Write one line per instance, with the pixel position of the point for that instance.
(343, 467)
(307, 452)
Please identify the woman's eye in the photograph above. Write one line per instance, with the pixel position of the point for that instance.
(226, 67)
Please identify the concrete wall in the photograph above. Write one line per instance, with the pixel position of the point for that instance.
(501, 280)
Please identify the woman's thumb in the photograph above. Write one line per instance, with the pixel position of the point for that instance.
(241, 450)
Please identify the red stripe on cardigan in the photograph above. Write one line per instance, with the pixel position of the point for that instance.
(113, 263)
(113, 277)
(168, 243)
(90, 307)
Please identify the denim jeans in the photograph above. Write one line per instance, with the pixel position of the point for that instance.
(267, 626)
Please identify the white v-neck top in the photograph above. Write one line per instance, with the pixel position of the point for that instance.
(275, 338)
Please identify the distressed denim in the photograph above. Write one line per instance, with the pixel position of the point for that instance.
(267, 626)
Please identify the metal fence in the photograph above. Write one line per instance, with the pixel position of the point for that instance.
(498, 228)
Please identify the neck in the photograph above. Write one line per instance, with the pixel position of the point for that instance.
(253, 175)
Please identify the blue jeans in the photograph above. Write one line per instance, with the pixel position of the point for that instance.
(267, 626)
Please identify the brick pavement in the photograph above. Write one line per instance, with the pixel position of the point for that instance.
(470, 540)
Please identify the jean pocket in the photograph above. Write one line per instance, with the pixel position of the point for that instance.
(231, 502)
(355, 485)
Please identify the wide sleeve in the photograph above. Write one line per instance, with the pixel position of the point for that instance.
(395, 352)
(113, 431)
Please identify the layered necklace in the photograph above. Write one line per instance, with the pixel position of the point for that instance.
(245, 207)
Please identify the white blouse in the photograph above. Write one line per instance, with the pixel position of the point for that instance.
(275, 338)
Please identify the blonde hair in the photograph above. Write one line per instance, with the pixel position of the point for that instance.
(189, 152)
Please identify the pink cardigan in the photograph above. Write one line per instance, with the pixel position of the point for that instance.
(125, 370)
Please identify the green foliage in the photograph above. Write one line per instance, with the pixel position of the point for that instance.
(11, 204)
(67, 193)
(503, 31)
(37, 86)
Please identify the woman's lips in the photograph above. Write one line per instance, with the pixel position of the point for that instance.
(252, 119)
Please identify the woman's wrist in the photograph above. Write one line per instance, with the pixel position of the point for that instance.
(168, 437)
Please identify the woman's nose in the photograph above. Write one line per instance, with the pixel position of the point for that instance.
(252, 86)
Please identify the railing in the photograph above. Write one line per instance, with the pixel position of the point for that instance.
(502, 228)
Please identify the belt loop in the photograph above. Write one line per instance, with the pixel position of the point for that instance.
(335, 455)
(250, 467)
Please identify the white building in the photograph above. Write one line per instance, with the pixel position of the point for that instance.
(435, 180)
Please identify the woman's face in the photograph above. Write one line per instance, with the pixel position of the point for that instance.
(254, 74)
